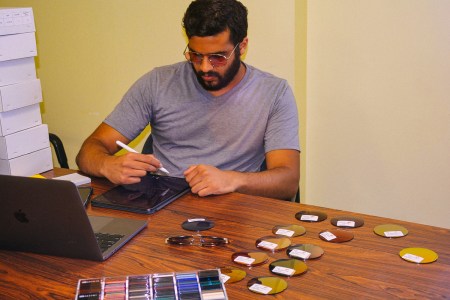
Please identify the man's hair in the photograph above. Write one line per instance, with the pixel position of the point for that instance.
(211, 17)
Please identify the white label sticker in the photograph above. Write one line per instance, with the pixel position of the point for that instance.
(309, 218)
(244, 260)
(300, 253)
(283, 270)
(393, 233)
(224, 277)
(260, 288)
(285, 232)
(328, 235)
(412, 257)
(267, 245)
(346, 223)
(196, 220)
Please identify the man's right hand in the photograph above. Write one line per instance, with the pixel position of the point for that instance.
(129, 168)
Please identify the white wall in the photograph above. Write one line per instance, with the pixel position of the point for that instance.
(90, 52)
(378, 107)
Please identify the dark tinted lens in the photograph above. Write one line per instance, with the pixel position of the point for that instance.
(180, 240)
(210, 241)
(197, 224)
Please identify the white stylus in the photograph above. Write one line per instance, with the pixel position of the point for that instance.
(129, 149)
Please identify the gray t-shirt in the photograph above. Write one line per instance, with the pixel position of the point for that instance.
(190, 126)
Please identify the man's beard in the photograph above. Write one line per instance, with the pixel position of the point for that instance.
(222, 81)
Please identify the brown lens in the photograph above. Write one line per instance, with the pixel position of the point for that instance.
(310, 216)
(273, 243)
(250, 259)
(336, 236)
(289, 230)
(267, 285)
(288, 267)
(347, 222)
(304, 251)
(232, 275)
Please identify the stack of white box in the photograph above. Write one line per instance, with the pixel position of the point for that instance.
(24, 141)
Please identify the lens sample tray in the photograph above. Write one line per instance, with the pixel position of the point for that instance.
(200, 284)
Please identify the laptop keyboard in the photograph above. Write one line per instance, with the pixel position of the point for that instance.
(106, 240)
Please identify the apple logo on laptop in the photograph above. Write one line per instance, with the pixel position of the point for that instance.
(21, 216)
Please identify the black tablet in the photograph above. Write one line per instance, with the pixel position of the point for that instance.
(147, 197)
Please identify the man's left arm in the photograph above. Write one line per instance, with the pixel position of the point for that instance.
(280, 180)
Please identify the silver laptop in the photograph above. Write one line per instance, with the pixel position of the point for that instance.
(48, 217)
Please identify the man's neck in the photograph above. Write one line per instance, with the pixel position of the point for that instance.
(239, 76)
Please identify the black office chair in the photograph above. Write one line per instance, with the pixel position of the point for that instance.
(148, 149)
(59, 150)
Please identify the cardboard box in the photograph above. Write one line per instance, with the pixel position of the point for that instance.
(19, 119)
(17, 70)
(16, 20)
(16, 46)
(29, 164)
(20, 94)
(24, 142)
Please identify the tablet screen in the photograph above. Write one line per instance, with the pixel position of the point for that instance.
(147, 196)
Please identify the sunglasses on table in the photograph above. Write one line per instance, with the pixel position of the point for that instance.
(215, 59)
(197, 240)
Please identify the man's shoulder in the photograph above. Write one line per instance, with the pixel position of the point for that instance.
(256, 73)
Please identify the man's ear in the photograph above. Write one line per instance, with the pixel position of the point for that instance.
(243, 46)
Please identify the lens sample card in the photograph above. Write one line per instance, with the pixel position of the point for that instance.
(289, 230)
(310, 216)
(249, 259)
(304, 251)
(418, 255)
(347, 222)
(288, 267)
(273, 243)
(232, 275)
(336, 235)
(267, 285)
(390, 230)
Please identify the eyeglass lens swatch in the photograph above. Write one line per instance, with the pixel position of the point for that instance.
(310, 216)
(273, 243)
(347, 222)
(267, 285)
(288, 267)
(197, 224)
(195, 285)
(232, 275)
(304, 251)
(418, 255)
(390, 230)
(289, 230)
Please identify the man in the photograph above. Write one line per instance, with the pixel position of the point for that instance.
(214, 119)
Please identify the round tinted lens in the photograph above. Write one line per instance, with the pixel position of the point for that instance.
(217, 60)
(197, 224)
(419, 255)
(267, 285)
(231, 275)
(390, 230)
(336, 236)
(194, 57)
(180, 240)
(288, 267)
(310, 216)
(304, 251)
(273, 243)
(250, 259)
(210, 241)
(289, 230)
(347, 222)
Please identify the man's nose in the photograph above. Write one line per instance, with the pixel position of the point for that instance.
(206, 65)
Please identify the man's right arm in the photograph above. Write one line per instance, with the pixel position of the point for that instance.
(96, 158)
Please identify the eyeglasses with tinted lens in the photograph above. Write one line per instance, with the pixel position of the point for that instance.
(197, 240)
(216, 60)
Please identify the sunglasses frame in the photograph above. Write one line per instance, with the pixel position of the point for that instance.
(187, 54)
(192, 240)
